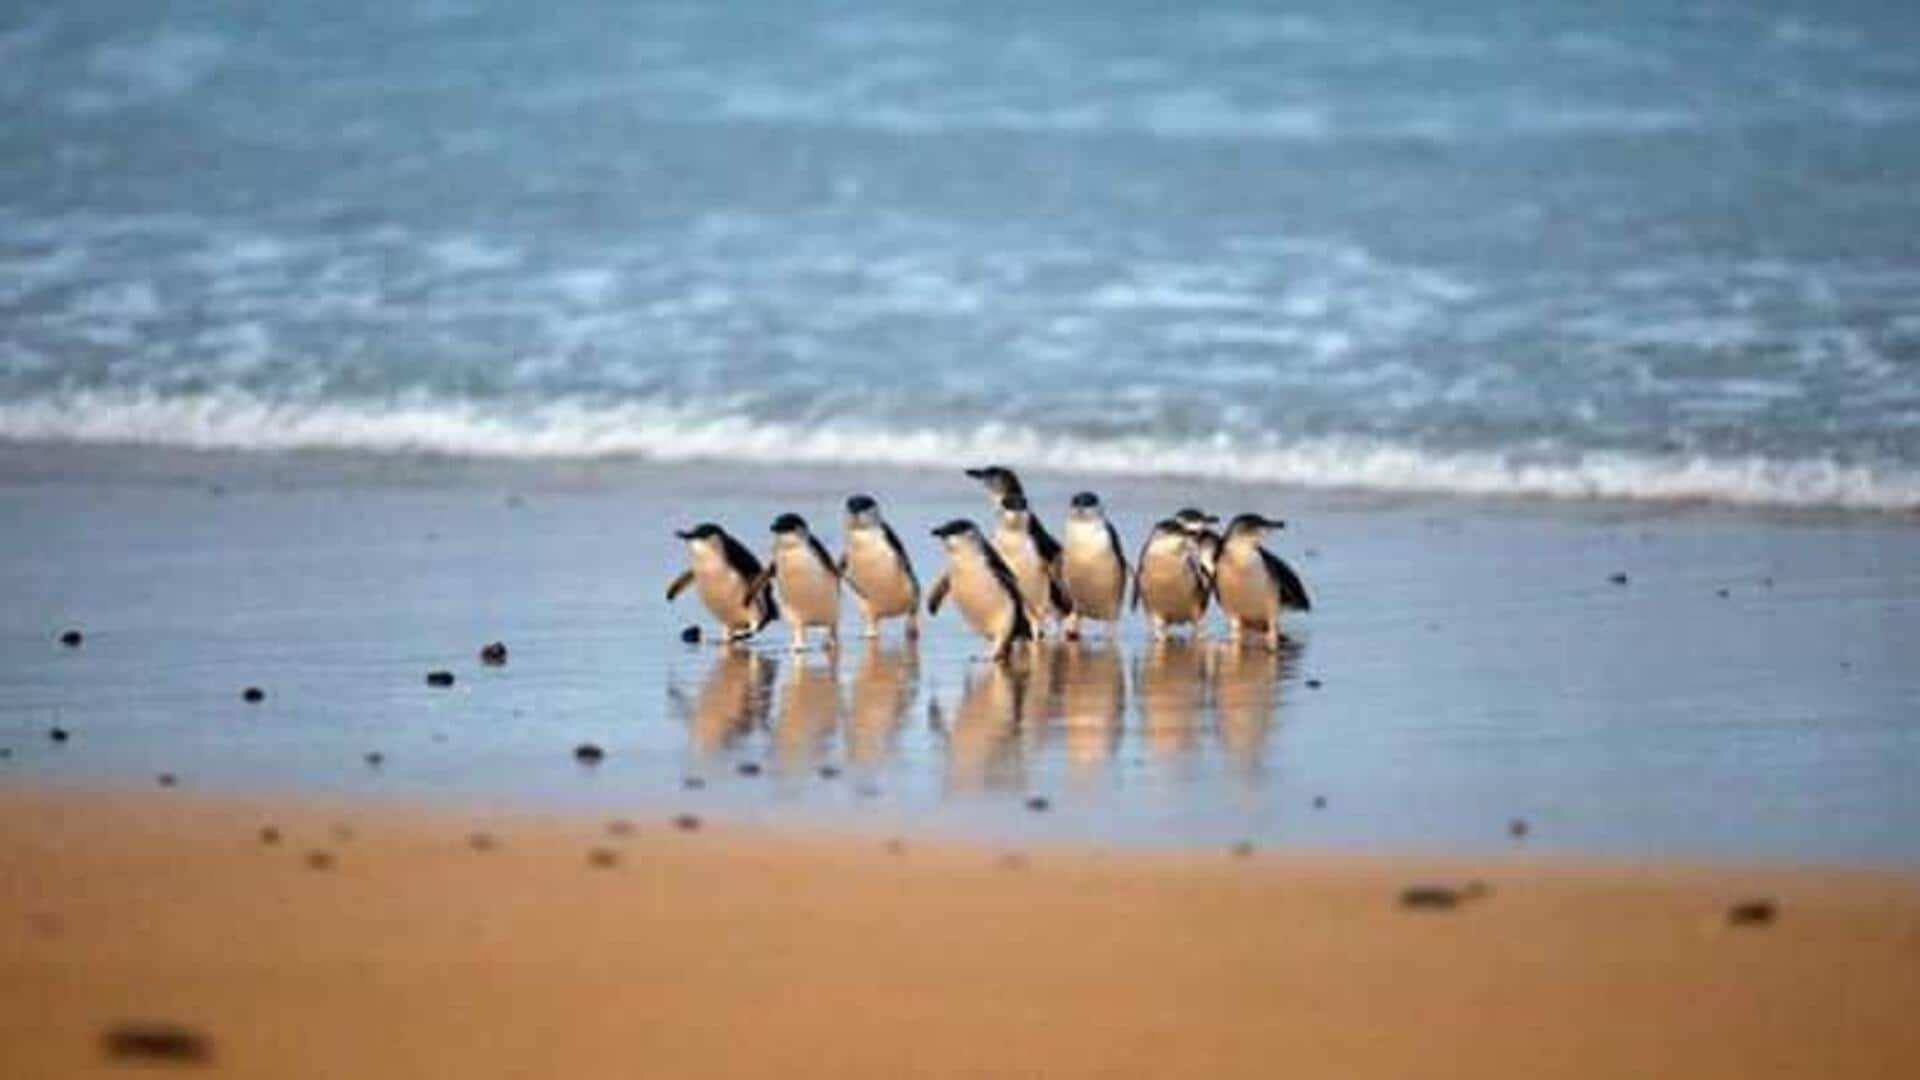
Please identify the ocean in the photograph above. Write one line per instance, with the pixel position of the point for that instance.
(1642, 251)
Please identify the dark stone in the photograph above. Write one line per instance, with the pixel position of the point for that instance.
(603, 858)
(269, 834)
(1242, 850)
(72, 639)
(157, 1042)
(1617, 578)
(1039, 804)
(1517, 828)
(375, 758)
(690, 635)
(58, 734)
(1429, 898)
(482, 842)
(829, 772)
(693, 783)
(167, 779)
(1319, 802)
(589, 754)
(620, 827)
(1313, 684)
(494, 654)
(439, 678)
(320, 860)
(1751, 913)
(687, 822)
(253, 695)
(748, 768)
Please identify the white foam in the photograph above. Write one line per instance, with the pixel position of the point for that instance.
(564, 430)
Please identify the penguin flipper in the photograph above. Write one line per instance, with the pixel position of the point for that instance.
(673, 587)
(938, 594)
(840, 571)
(1293, 591)
(1058, 593)
(761, 581)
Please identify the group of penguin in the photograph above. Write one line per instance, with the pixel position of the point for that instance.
(1010, 587)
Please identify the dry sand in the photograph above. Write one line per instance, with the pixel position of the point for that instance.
(740, 953)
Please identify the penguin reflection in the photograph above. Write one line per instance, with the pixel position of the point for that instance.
(808, 714)
(733, 698)
(1092, 700)
(884, 684)
(1246, 694)
(1169, 682)
(983, 737)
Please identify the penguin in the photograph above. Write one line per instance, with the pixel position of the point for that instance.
(1203, 527)
(1037, 575)
(729, 579)
(1000, 483)
(808, 579)
(1254, 586)
(1093, 566)
(983, 586)
(875, 566)
(1169, 581)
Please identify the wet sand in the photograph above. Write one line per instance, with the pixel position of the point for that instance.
(732, 952)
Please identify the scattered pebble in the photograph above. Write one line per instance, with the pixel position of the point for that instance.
(1751, 913)
(1013, 860)
(167, 779)
(693, 783)
(589, 754)
(748, 768)
(690, 635)
(1319, 802)
(1767, 582)
(1721, 593)
(687, 822)
(253, 695)
(603, 858)
(1429, 898)
(1313, 684)
(439, 678)
(482, 842)
(1517, 828)
(1475, 890)
(1242, 850)
(1039, 804)
(156, 1041)
(269, 834)
(1617, 578)
(375, 758)
(896, 846)
(72, 639)
(5, 752)
(829, 772)
(342, 831)
(58, 734)
(620, 827)
(320, 860)
(494, 654)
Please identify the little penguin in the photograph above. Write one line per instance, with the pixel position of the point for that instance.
(875, 566)
(729, 580)
(1000, 482)
(808, 579)
(1170, 581)
(1254, 586)
(1037, 575)
(1201, 526)
(983, 586)
(1093, 566)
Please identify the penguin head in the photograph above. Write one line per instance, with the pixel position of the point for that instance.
(1169, 533)
(789, 527)
(958, 533)
(1013, 510)
(998, 481)
(701, 535)
(1252, 526)
(1084, 505)
(1195, 521)
(862, 510)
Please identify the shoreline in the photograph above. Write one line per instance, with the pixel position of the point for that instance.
(570, 946)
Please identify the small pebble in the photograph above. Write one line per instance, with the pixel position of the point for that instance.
(829, 772)
(72, 639)
(1517, 828)
(1751, 913)
(1721, 593)
(253, 695)
(588, 754)
(1617, 578)
(603, 858)
(686, 822)
(1039, 804)
(342, 832)
(693, 783)
(1013, 860)
(1313, 684)
(439, 678)
(620, 827)
(690, 635)
(269, 834)
(1429, 898)
(494, 654)
(896, 846)
(748, 768)
(375, 758)
(5, 752)
(482, 842)
(1319, 802)
(1475, 890)
(58, 734)
(167, 779)
(320, 860)
(157, 1042)
(1242, 850)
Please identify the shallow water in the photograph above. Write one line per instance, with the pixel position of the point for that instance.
(1475, 666)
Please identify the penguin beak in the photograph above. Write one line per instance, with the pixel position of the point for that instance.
(683, 534)
(977, 474)
(1273, 523)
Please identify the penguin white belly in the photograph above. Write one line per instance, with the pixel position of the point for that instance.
(722, 590)
(1245, 591)
(1169, 589)
(1029, 571)
(875, 571)
(1092, 577)
(982, 600)
(808, 593)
